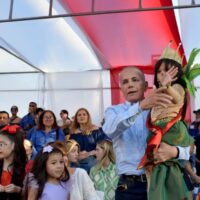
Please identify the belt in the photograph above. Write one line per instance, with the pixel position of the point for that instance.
(139, 178)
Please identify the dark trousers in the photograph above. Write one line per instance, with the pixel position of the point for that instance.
(131, 189)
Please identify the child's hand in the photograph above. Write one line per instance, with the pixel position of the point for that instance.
(92, 153)
(2, 188)
(170, 76)
(12, 188)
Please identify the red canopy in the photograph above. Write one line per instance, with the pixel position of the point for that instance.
(127, 38)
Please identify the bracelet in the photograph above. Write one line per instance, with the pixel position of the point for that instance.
(178, 152)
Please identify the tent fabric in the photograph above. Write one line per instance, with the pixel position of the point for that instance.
(52, 45)
(128, 38)
(83, 44)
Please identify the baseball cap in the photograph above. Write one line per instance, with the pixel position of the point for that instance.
(196, 111)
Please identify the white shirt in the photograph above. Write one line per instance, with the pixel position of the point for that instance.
(82, 187)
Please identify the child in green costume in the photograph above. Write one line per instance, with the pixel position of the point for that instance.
(166, 125)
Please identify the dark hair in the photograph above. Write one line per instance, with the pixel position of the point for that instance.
(39, 110)
(19, 156)
(4, 112)
(14, 108)
(168, 64)
(64, 111)
(41, 125)
(39, 168)
(32, 102)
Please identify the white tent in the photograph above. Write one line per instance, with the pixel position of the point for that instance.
(61, 69)
(52, 62)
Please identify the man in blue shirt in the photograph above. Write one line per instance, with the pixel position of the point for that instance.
(193, 129)
(126, 125)
(28, 121)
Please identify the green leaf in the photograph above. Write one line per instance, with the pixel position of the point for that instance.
(191, 88)
(192, 57)
(194, 72)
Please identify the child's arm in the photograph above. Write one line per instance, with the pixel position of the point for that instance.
(32, 193)
(68, 197)
(176, 91)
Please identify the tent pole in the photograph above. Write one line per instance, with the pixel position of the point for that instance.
(139, 9)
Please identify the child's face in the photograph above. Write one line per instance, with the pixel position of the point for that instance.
(63, 116)
(73, 155)
(6, 147)
(55, 166)
(161, 72)
(99, 152)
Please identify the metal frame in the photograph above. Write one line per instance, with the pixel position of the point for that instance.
(90, 13)
(93, 12)
(23, 60)
(17, 55)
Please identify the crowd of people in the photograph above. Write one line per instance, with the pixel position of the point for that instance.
(144, 149)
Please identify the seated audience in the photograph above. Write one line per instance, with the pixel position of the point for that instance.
(87, 135)
(47, 131)
(14, 119)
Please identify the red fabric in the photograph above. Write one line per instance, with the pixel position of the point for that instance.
(123, 39)
(29, 166)
(134, 38)
(157, 137)
(6, 178)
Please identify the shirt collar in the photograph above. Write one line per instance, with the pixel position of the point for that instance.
(129, 103)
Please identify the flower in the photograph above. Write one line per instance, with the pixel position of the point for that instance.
(47, 149)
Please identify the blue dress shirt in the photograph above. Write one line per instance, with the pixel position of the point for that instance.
(126, 125)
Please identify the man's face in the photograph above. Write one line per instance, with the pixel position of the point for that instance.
(132, 84)
(4, 119)
(198, 116)
(32, 108)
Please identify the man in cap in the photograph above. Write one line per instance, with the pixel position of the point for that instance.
(193, 129)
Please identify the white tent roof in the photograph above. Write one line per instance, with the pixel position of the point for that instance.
(52, 47)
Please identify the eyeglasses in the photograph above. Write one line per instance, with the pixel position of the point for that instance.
(3, 145)
(48, 117)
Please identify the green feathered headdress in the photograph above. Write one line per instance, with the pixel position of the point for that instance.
(191, 71)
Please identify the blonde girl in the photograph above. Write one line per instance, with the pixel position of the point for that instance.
(103, 173)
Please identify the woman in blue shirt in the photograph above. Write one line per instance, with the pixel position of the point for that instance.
(47, 131)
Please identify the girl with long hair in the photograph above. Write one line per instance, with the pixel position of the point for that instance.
(50, 177)
(12, 162)
(82, 188)
(103, 174)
